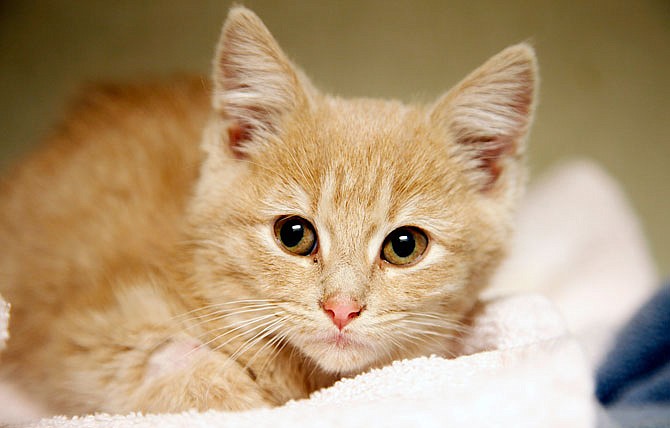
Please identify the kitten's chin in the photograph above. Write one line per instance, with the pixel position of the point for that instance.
(341, 353)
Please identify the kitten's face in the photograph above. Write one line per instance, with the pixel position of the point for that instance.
(358, 231)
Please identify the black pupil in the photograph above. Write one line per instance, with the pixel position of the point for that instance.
(403, 243)
(292, 233)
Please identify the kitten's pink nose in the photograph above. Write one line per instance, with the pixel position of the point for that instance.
(342, 312)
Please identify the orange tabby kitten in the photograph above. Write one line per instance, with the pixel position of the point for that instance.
(179, 246)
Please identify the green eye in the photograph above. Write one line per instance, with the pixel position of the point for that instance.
(296, 235)
(404, 246)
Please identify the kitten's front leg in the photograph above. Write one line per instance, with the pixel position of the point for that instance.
(183, 374)
(133, 354)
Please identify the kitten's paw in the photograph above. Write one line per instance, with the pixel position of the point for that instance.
(176, 354)
(183, 374)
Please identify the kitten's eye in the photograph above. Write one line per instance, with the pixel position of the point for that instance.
(296, 235)
(404, 245)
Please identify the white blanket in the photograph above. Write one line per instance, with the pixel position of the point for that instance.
(525, 364)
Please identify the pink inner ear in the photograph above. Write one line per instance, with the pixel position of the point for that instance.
(238, 135)
(490, 152)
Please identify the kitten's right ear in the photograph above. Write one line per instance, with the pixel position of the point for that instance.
(255, 84)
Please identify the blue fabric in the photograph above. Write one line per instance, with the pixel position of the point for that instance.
(647, 416)
(637, 370)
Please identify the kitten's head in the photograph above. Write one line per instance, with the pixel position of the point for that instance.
(356, 230)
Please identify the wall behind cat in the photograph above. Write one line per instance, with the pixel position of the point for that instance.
(605, 67)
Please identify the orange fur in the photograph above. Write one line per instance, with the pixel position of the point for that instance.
(138, 247)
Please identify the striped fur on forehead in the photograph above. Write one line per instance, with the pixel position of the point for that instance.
(349, 210)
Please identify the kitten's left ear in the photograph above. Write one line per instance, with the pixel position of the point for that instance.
(488, 115)
(255, 84)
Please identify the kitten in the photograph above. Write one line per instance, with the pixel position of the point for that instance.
(178, 246)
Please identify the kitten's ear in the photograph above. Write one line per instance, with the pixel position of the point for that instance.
(488, 114)
(255, 84)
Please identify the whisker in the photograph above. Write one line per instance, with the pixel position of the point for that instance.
(432, 338)
(434, 322)
(425, 324)
(425, 315)
(219, 315)
(418, 336)
(239, 326)
(177, 327)
(391, 352)
(222, 304)
(268, 345)
(442, 330)
(283, 341)
(261, 326)
(265, 332)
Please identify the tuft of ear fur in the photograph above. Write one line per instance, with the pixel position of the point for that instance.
(255, 84)
(488, 113)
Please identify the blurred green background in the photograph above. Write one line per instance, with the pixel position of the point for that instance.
(605, 67)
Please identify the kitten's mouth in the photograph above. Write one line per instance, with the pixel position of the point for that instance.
(340, 352)
(342, 340)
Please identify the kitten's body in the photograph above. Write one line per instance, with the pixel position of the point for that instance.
(126, 248)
